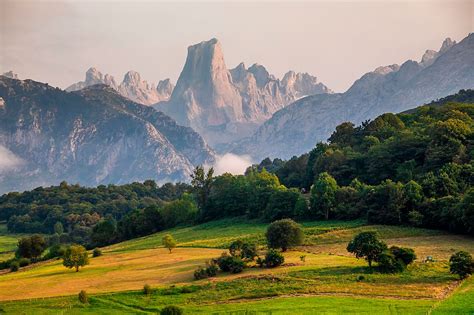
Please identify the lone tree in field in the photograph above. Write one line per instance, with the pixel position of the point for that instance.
(169, 242)
(284, 234)
(366, 245)
(461, 263)
(75, 257)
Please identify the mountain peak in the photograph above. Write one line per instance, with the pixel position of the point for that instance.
(447, 43)
(12, 75)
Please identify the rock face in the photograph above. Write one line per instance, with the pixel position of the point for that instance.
(92, 136)
(132, 86)
(296, 128)
(224, 105)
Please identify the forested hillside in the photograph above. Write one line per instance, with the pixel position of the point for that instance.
(411, 168)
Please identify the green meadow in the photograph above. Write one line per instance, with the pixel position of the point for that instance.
(328, 281)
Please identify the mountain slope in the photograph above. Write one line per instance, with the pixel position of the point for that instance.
(296, 128)
(93, 136)
(132, 86)
(224, 105)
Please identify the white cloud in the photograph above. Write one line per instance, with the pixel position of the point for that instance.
(8, 160)
(231, 163)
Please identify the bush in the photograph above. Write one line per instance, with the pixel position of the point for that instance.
(83, 297)
(407, 255)
(96, 252)
(273, 259)
(388, 263)
(55, 251)
(171, 310)
(230, 264)
(243, 250)
(14, 266)
(284, 234)
(147, 289)
(23, 262)
(211, 269)
(200, 273)
(461, 263)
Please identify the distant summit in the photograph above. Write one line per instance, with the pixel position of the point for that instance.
(132, 86)
(296, 128)
(224, 105)
(10, 74)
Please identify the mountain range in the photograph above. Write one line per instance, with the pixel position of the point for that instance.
(91, 136)
(296, 128)
(100, 132)
(132, 86)
(225, 105)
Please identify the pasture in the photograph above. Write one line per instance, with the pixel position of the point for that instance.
(330, 280)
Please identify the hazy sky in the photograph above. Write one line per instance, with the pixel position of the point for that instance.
(57, 41)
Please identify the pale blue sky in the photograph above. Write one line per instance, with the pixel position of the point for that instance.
(56, 41)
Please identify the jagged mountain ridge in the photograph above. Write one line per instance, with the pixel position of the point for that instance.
(224, 105)
(296, 128)
(132, 87)
(92, 136)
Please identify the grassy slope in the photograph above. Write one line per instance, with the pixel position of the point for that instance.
(8, 242)
(326, 281)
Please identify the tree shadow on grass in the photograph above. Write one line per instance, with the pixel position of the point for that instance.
(331, 271)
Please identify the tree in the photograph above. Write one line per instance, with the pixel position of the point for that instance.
(461, 263)
(75, 256)
(58, 228)
(281, 204)
(169, 242)
(31, 247)
(284, 234)
(323, 195)
(366, 245)
(202, 184)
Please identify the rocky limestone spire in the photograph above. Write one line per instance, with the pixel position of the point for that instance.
(204, 94)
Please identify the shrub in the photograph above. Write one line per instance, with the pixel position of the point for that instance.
(147, 289)
(83, 297)
(243, 250)
(171, 310)
(224, 262)
(461, 263)
(388, 263)
(260, 262)
(14, 266)
(200, 273)
(23, 262)
(273, 259)
(55, 251)
(230, 264)
(407, 255)
(96, 252)
(284, 234)
(211, 269)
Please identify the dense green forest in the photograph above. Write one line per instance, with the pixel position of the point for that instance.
(412, 168)
(415, 168)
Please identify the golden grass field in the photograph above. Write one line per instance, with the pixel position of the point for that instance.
(328, 270)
